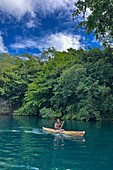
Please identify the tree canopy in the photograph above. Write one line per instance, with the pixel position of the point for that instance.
(100, 19)
(77, 84)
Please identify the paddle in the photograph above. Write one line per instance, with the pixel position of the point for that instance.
(62, 125)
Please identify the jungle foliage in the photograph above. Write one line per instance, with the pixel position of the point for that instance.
(77, 84)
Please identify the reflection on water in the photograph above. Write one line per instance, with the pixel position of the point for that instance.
(24, 145)
(59, 140)
(74, 138)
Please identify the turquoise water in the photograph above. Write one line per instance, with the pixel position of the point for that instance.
(24, 145)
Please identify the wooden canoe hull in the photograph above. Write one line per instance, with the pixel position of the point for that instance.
(72, 133)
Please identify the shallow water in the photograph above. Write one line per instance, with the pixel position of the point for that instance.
(24, 145)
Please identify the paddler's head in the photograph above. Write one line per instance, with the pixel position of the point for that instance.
(58, 120)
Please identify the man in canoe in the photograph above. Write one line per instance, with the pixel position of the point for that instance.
(58, 125)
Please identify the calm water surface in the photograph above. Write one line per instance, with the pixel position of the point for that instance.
(24, 145)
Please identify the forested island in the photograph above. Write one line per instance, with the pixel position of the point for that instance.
(77, 84)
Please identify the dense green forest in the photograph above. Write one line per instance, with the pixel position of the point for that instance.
(77, 84)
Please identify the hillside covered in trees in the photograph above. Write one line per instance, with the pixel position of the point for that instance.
(77, 84)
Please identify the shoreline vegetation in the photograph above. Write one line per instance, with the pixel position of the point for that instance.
(53, 118)
(77, 84)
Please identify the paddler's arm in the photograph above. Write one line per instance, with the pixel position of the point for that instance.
(62, 123)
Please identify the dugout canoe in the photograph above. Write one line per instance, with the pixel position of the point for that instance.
(72, 133)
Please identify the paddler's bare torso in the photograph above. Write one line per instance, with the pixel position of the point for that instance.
(58, 125)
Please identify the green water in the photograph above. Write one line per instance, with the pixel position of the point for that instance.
(23, 145)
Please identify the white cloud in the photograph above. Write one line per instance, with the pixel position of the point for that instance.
(3, 49)
(49, 6)
(60, 41)
(33, 23)
(23, 44)
(88, 12)
(19, 8)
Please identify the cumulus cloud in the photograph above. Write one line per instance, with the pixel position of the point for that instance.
(18, 8)
(60, 41)
(3, 49)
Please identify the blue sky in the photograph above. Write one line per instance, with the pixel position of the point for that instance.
(35, 25)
